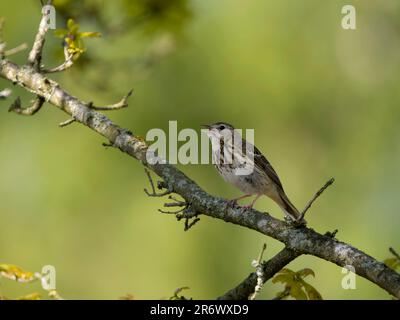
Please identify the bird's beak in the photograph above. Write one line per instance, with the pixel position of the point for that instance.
(206, 126)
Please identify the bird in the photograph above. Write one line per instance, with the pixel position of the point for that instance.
(242, 165)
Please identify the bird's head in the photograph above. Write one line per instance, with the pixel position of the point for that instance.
(219, 130)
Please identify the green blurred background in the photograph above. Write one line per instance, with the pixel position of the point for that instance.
(323, 102)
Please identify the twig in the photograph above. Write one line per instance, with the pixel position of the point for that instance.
(189, 224)
(171, 212)
(176, 294)
(3, 51)
(175, 199)
(175, 204)
(35, 106)
(245, 288)
(393, 252)
(184, 212)
(259, 272)
(5, 93)
(119, 105)
(35, 55)
(64, 66)
(107, 145)
(320, 191)
(15, 50)
(67, 122)
(332, 234)
(153, 192)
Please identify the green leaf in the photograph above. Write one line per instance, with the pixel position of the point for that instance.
(296, 291)
(312, 293)
(89, 34)
(31, 296)
(306, 272)
(392, 263)
(72, 26)
(283, 278)
(296, 287)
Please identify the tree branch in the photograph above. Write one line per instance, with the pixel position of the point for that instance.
(243, 290)
(35, 55)
(64, 66)
(35, 106)
(15, 50)
(123, 103)
(302, 240)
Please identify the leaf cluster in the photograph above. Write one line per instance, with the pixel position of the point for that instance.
(295, 285)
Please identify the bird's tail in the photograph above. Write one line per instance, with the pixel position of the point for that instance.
(287, 206)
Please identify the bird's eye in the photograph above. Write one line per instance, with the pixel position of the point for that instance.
(222, 127)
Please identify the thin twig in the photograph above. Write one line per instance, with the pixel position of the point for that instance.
(175, 199)
(151, 183)
(259, 272)
(332, 234)
(320, 191)
(15, 50)
(189, 224)
(264, 247)
(64, 66)
(176, 294)
(119, 105)
(67, 122)
(393, 252)
(5, 93)
(35, 55)
(171, 212)
(35, 106)
(153, 192)
(176, 203)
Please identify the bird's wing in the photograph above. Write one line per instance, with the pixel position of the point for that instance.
(262, 162)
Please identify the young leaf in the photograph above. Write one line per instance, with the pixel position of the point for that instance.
(295, 286)
(312, 293)
(15, 273)
(73, 38)
(31, 296)
(306, 272)
(393, 263)
(296, 291)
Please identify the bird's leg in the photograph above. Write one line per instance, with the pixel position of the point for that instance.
(250, 206)
(232, 203)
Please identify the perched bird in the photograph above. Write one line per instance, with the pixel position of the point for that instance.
(241, 164)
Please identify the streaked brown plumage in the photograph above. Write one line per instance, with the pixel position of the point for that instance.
(244, 166)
